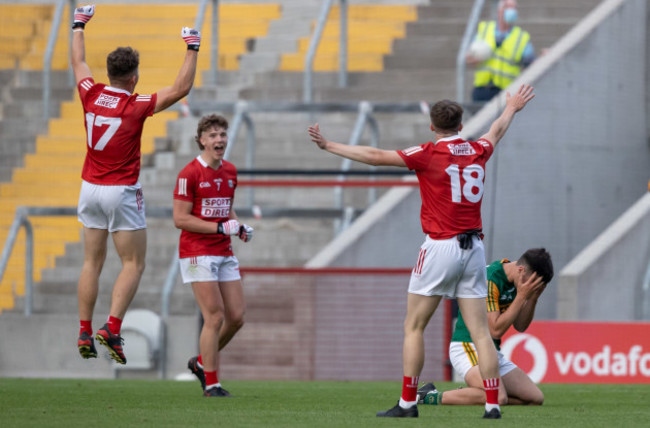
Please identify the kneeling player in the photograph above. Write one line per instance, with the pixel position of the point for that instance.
(513, 290)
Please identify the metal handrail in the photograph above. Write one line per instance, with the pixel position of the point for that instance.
(21, 219)
(214, 35)
(49, 52)
(364, 118)
(307, 94)
(472, 22)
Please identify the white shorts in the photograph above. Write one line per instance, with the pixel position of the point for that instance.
(463, 357)
(444, 269)
(209, 269)
(111, 207)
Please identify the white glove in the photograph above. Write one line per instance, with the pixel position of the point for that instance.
(82, 15)
(245, 233)
(230, 227)
(192, 37)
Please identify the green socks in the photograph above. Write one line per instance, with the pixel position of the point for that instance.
(433, 398)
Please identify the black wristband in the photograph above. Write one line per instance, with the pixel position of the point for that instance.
(78, 25)
(220, 228)
(193, 48)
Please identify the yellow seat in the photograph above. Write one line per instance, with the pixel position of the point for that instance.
(371, 32)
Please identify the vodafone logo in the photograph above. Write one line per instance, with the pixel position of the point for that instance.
(536, 350)
(584, 352)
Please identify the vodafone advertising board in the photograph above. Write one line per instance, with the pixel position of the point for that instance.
(581, 352)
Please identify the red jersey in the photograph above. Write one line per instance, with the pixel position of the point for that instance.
(114, 121)
(451, 173)
(211, 192)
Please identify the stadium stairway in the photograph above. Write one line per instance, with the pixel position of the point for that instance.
(420, 64)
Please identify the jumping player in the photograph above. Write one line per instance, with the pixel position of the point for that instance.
(513, 290)
(451, 263)
(111, 198)
(203, 210)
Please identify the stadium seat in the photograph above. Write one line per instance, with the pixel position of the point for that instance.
(371, 31)
(142, 331)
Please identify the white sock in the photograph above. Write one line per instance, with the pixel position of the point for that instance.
(407, 404)
(489, 407)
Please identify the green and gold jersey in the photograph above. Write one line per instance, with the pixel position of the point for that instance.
(501, 293)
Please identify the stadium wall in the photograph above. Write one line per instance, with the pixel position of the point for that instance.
(607, 267)
(572, 162)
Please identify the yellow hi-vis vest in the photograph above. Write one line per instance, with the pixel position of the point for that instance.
(503, 66)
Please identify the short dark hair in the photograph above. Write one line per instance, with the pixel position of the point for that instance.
(538, 260)
(207, 122)
(122, 63)
(446, 115)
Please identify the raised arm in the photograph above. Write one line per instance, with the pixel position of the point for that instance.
(185, 79)
(364, 154)
(78, 53)
(514, 104)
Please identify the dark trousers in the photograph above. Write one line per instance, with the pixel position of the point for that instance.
(484, 93)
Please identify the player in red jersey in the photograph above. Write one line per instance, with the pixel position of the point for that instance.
(203, 210)
(111, 198)
(451, 262)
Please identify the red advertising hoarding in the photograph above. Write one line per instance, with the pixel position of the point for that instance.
(581, 352)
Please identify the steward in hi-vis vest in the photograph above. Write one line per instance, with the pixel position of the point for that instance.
(504, 65)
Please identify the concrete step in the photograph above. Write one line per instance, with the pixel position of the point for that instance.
(10, 127)
(384, 95)
(36, 93)
(20, 109)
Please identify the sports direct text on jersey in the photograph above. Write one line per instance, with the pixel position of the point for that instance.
(215, 207)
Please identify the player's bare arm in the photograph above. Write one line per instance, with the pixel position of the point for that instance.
(499, 322)
(527, 312)
(514, 104)
(185, 79)
(80, 68)
(363, 154)
(185, 220)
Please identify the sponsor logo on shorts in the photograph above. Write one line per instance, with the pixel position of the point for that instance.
(139, 199)
(107, 101)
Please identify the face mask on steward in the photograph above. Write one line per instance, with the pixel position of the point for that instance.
(510, 15)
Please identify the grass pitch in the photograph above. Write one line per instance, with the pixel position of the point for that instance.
(137, 403)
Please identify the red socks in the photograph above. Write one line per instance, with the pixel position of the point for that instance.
(86, 325)
(491, 390)
(410, 388)
(114, 325)
(210, 379)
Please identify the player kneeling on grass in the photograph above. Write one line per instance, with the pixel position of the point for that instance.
(513, 290)
(203, 210)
